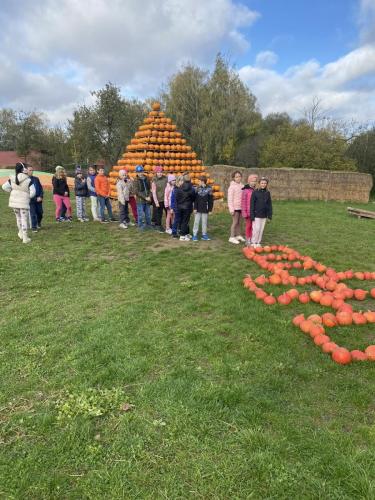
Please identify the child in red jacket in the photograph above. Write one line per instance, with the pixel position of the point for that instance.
(247, 192)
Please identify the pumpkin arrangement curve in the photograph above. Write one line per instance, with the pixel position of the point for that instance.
(330, 291)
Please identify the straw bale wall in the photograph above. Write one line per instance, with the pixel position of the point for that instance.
(303, 184)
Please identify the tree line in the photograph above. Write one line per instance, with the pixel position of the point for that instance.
(217, 114)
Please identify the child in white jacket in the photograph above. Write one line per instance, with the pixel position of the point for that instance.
(21, 191)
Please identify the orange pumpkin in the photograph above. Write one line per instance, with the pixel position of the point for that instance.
(341, 356)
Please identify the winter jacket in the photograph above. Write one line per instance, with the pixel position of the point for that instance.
(168, 195)
(185, 196)
(204, 200)
(247, 192)
(60, 186)
(20, 194)
(173, 204)
(80, 187)
(123, 190)
(91, 184)
(158, 188)
(142, 189)
(38, 187)
(261, 204)
(235, 196)
(102, 186)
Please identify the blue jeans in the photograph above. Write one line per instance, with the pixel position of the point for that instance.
(36, 213)
(105, 202)
(143, 209)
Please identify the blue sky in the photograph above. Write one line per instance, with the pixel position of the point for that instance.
(288, 52)
(299, 30)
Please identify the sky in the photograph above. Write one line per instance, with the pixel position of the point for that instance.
(288, 52)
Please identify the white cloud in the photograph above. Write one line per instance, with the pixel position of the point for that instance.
(345, 86)
(266, 58)
(79, 45)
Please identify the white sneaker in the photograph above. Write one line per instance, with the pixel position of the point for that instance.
(233, 240)
(240, 238)
(184, 238)
(20, 235)
(188, 236)
(168, 231)
(132, 224)
(26, 239)
(123, 226)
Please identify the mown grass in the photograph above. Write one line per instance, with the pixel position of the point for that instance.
(136, 366)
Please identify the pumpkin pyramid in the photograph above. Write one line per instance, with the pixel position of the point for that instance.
(157, 142)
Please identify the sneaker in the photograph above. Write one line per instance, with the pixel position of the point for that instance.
(97, 220)
(195, 238)
(168, 231)
(123, 226)
(175, 236)
(39, 226)
(20, 235)
(86, 219)
(161, 229)
(205, 237)
(69, 219)
(240, 238)
(80, 220)
(34, 230)
(234, 240)
(105, 221)
(132, 224)
(26, 239)
(113, 220)
(189, 236)
(184, 238)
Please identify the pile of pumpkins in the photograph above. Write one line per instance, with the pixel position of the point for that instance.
(157, 142)
(332, 292)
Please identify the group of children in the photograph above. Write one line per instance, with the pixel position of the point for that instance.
(250, 203)
(174, 197)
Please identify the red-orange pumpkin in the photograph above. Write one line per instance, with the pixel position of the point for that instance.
(341, 356)
(370, 351)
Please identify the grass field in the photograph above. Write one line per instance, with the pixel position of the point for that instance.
(136, 366)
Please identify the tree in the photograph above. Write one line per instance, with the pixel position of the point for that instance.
(101, 131)
(300, 146)
(362, 150)
(214, 111)
(30, 129)
(8, 123)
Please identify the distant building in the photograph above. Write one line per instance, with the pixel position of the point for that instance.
(10, 158)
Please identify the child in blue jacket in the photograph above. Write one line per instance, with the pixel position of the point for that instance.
(36, 203)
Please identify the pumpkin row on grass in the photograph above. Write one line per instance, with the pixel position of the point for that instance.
(280, 260)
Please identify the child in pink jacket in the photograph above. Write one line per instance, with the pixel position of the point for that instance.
(167, 202)
(247, 192)
(235, 206)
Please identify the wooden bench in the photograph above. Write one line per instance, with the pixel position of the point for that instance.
(359, 212)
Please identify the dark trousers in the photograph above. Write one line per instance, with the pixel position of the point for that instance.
(176, 223)
(158, 211)
(184, 220)
(123, 212)
(36, 213)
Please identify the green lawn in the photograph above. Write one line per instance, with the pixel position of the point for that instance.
(229, 399)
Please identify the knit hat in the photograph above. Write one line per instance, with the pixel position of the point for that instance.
(158, 168)
(171, 177)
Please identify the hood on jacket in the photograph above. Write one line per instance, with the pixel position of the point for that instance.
(21, 177)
